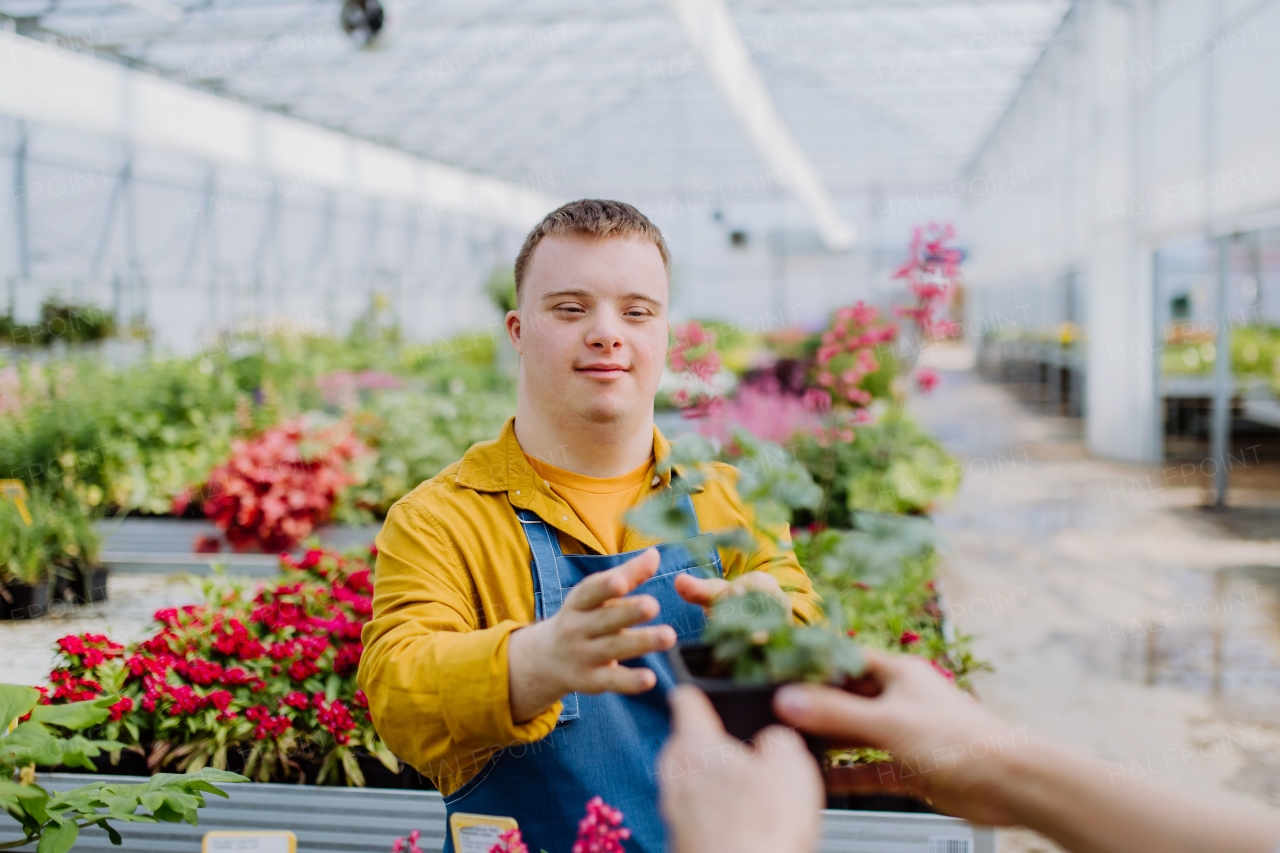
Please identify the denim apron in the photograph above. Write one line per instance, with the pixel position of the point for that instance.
(605, 745)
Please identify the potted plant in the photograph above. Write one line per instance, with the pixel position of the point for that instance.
(750, 647)
(24, 570)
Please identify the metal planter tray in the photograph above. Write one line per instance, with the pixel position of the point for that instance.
(368, 820)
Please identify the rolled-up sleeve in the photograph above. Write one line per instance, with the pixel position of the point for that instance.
(727, 509)
(435, 675)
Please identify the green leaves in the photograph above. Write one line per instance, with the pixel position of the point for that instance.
(76, 715)
(15, 702)
(754, 640)
(59, 839)
(872, 553)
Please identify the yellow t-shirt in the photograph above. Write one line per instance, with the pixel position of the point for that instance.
(599, 502)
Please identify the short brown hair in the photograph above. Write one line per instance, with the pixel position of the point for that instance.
(599, 218)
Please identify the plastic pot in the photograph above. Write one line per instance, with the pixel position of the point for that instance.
(28, 602)
(90, 585)
(744, 709)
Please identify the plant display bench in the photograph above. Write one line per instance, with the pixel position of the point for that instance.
(368, 820)
(163, 545)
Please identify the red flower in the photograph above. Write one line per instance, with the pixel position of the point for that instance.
(301, 670)
(119, 709)
(348, 659)
(297, 699)
(909, 638)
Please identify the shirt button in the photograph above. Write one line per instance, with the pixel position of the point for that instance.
(655, 481)
(517, 491)
(565, 517)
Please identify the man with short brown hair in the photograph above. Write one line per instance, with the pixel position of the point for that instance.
(515, 650)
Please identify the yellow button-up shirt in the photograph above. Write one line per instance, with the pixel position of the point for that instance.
(453, 581)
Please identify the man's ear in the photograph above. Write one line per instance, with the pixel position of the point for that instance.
(514, 330)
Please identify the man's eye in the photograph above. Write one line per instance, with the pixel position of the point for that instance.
(570, 308)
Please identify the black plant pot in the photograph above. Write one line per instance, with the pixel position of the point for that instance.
(90, 585)
(744, 709)
(29, 602)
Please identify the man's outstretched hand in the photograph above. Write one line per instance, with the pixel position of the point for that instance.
(705, 592)
(578, 650)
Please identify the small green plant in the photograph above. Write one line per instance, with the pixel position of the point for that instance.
(754, 641)
(49, 736)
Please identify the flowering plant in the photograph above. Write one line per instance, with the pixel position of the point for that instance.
(599, 831)
(276, 488)
(34, 734)
(694, 354)
(261, 676)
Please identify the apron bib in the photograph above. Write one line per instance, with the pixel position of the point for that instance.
(605, 745)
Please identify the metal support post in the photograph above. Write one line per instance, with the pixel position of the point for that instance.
(1221, 424)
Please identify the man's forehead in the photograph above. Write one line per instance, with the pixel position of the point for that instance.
(624, 266)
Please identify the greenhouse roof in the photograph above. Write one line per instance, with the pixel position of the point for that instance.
(599, 97)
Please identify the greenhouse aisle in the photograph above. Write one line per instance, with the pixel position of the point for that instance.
(1119, 616)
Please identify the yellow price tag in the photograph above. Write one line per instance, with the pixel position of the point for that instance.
(16, 491)
(477, 833)
(249, 842)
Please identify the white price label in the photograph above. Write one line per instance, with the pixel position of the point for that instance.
(479, 838)
(250, 842)
(950, 845)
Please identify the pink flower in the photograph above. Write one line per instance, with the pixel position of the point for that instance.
(510, 842)
(601, 831)
(946, 673)
(909, 638)
(927, 379)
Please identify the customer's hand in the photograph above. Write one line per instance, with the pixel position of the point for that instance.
(943, 743)
(705, 592)
(720, 794)
(578, 649)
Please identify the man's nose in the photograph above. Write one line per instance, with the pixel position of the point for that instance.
(604, 335)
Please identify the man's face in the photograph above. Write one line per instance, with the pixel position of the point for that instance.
(592, 327)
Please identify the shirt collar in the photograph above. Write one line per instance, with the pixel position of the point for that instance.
(500, 466)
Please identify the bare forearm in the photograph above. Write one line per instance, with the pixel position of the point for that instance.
(1077, 802)
(531, 688)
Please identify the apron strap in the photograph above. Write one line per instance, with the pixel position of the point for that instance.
(545, 548)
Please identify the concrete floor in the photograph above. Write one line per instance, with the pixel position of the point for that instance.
(1120, 616)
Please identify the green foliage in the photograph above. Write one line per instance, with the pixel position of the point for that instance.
(769, 480)
(419, 430)
(61, 537)
(501, 289)
(60, 320)
(872, 552)
(755, 641)
(892, 466)
(1255, 352)
(50, 738)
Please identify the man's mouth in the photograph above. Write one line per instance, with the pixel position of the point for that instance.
(603, 370)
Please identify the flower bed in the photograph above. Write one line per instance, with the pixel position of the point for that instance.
(257, 680)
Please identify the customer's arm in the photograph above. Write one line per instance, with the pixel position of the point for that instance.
(975, 766)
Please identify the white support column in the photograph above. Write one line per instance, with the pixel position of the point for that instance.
(1122, 398)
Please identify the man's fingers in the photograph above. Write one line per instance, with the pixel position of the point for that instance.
(626, 645)
(617, 614)
(830, 712)
(700, 591)
(622, 679)
(598, 588)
